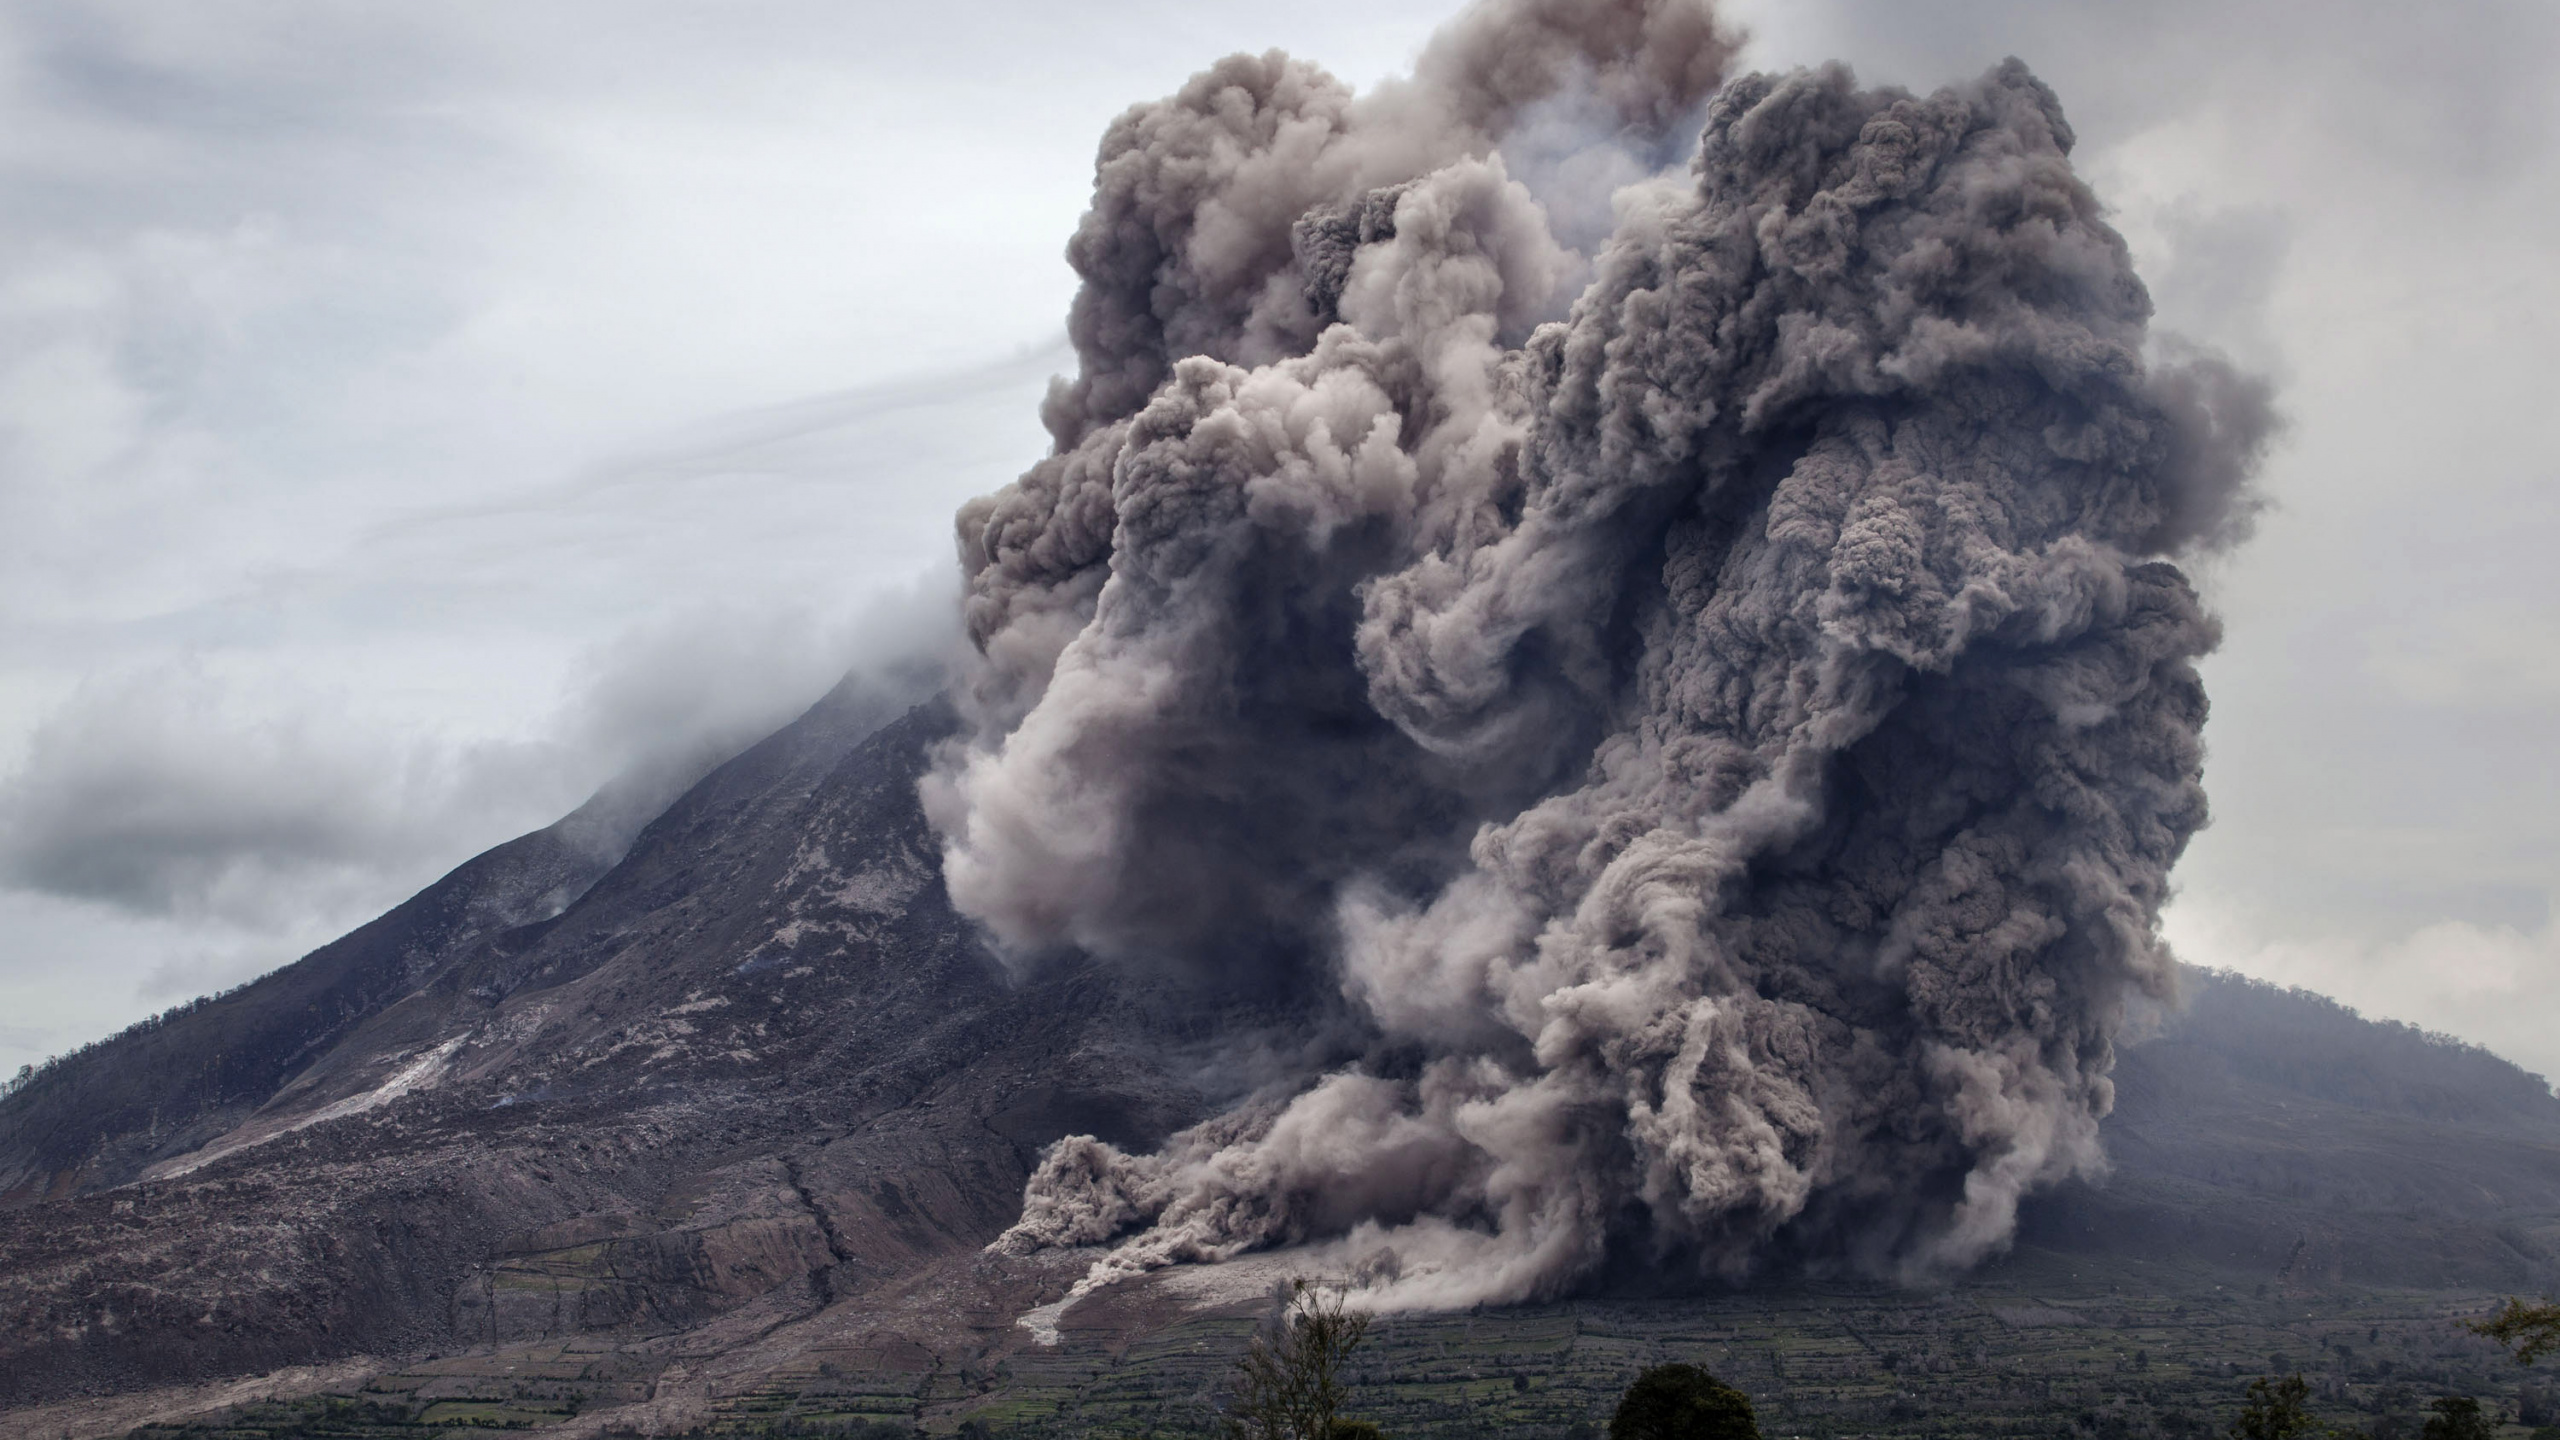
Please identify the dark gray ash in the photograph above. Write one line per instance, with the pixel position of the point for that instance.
(1716, 714)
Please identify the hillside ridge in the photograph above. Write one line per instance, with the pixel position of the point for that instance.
(759, 1072)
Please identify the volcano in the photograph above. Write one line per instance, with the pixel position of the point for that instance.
(754, 1092)
(1584, 728)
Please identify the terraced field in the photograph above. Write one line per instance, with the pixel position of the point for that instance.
(2041, 1347)
(2047, 1346)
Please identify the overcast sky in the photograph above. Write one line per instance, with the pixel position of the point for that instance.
(412, 416)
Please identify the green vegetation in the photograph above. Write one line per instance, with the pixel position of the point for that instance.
(1289, 1385)
(338, 1417)
(2041, 1347)
(2458, 1417)
(1682, 1402)
(332, 1417)
(326, 1417)
(2275, 1410)
(2529, 1331)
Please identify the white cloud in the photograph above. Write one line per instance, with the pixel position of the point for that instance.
(363, 374)
(2483, 654)
(2493, 985)
(409, 417)
(176, 792)
(263, 799)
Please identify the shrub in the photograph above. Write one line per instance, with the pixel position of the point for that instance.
(2457, 1417)
(1683, 1402)
(1289, 1385)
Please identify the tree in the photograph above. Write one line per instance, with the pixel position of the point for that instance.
(2457, 1417)
(2276, 1410)
(1683, 1402)
(1289, 1383)
(2531, 1331)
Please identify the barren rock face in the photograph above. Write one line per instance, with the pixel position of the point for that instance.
(758, 1058)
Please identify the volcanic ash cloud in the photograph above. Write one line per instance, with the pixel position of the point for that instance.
(1715, 714)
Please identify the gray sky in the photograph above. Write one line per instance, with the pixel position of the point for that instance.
(409, 418)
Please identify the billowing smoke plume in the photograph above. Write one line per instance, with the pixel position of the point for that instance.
(1722, 738)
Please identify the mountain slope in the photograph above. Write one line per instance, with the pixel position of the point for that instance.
(759, 1067)
(2277, 1132)
(100, 1116)
(759, 1060)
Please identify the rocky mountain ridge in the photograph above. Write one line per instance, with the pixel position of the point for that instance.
(755, 1069)
(758, 1053)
